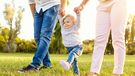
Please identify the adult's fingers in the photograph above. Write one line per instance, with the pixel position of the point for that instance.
(62, 12)
(77, 10)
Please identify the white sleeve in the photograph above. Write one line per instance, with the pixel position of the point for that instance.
(31, 1)
(78, 20)
(60, 20)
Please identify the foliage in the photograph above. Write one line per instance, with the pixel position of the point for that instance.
(21, 44)
(3, 37)
(56, 45)
(9, 39)
(109, 47)
(130, 35)
(88, 46)
(2, 43)
(131, 48)
(25, 46)
(133, 29)
(9, 14)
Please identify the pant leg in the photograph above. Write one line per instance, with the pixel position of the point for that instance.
(38, 19)
(102, 34)
(74, 53)
(49, 21)
(118, 22)
(47, 61)
(75, 67)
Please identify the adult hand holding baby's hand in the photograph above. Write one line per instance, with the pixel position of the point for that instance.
(62, 12)
(78, 9)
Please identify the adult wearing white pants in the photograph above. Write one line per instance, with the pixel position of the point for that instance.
(111, 16)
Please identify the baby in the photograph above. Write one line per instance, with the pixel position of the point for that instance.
(70, 35)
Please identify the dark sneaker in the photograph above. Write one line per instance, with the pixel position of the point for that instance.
(45, 67)
(28, 68)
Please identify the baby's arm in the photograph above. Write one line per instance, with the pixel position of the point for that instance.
(78, 20)
(60, 20)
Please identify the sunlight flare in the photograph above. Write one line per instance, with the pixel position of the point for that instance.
(131, 7)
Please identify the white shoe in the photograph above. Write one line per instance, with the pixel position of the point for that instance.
(65, 64)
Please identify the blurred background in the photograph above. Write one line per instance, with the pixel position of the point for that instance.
(16, 28)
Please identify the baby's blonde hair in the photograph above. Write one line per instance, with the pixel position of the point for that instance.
(72, 18)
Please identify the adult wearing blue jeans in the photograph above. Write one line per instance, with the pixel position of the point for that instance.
(45, 14)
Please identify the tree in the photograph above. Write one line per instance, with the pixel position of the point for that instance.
(130, 35)
(88, 46)
(0, 27)
(14, 28)
(109, 47)
(133, 29)
(56, 45)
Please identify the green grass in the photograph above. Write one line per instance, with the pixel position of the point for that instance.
(11, 62)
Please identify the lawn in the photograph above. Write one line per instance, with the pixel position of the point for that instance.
(10, 63)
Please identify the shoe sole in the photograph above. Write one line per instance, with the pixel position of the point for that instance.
(63, 64)
(20, 72)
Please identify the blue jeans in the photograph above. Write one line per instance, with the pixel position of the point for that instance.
(44, 23)
(74, 53)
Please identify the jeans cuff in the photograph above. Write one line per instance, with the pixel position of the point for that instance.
(47, 65)
(35, 66)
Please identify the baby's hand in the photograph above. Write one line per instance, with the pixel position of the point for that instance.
(78, 9)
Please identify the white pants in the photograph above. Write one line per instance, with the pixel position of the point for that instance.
(111, 16)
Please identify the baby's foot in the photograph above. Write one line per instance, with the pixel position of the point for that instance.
(65, 64)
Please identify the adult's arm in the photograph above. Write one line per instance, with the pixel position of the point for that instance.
(32, 6)
(79, 8)
(62, 7)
